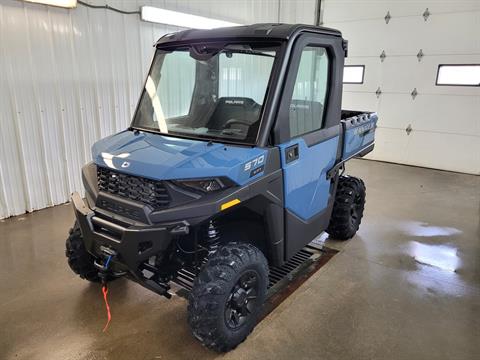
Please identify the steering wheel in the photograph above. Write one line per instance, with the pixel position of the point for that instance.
(231, 122)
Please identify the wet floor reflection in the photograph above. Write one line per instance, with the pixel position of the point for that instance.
(432, 281)
(440, 256)
(421, 229)
(437, 263)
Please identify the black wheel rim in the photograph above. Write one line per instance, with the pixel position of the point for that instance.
(242, 301)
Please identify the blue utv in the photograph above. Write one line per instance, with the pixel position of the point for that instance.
(232, 164)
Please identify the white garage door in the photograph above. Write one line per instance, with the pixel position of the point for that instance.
(440, 126)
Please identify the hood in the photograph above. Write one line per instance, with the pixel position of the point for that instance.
(163, 157)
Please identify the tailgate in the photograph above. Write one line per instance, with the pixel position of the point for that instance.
(359, 134)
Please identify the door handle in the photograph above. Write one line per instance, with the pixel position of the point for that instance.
(291, 153)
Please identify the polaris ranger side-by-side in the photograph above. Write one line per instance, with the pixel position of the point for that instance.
(232, 164)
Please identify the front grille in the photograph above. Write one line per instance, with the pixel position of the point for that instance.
(146, 191)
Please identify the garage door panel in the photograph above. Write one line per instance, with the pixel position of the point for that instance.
(401, 36)
(427, 77)
(405, 81)
(438, 7)
(451, 33)
(396, 111)
(440, 34)
(421, 75)
(336, 10)
(444, 151)
(450, 114)
(356, 32)
(354, 10)
(437, 113)
(390, 145)
(359, 101)
(372, 73)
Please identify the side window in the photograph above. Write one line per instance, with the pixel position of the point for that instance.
(310, 91)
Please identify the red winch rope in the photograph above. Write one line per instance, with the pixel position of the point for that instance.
(105, 292)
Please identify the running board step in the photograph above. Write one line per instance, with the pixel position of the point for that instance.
(286, 272)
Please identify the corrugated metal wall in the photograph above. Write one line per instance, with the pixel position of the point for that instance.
(70, 77)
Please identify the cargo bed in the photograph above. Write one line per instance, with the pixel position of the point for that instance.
(357, 136)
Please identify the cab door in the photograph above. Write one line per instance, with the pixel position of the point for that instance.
(307, 133)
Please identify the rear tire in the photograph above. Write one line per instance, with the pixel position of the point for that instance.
(348, 208)
(79, 260)
(227, 296)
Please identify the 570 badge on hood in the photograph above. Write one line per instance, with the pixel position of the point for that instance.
(254, 165)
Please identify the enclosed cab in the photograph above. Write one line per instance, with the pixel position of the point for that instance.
(231, 165)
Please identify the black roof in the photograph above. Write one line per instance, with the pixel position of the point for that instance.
(256, 31)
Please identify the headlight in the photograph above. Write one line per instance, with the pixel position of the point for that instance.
(205, 185)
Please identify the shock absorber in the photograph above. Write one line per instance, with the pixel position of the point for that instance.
(212, 236)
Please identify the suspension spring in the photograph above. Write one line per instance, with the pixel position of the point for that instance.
(212, 236)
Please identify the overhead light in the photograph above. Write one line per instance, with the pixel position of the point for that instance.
(175, 18)
(60, 3)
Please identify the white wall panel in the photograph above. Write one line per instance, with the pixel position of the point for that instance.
(297, 11)
(47, 99)
(13, 195)
(70, 77)
(20, 73)
(444, 119)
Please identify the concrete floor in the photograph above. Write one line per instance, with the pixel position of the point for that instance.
(406, 287)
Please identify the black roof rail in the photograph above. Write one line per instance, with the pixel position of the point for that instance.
(265, 31)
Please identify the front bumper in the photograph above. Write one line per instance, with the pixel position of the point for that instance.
(132, 245)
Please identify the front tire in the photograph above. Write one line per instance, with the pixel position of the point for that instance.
(348, 208)
(227, 296)
(79, 260)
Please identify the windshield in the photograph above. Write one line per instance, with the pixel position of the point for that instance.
(208, 91)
